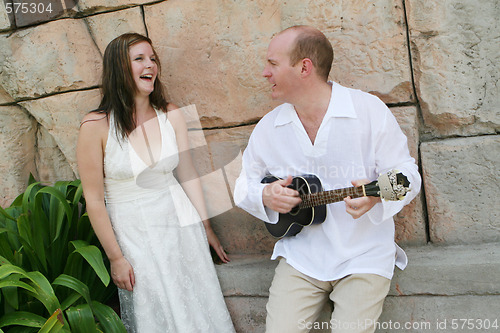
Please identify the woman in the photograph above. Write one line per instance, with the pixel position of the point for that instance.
(148, 225)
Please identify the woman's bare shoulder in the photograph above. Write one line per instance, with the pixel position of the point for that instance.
(95, 120)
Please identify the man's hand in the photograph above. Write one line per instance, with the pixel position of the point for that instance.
(359, 206)
(279, 197)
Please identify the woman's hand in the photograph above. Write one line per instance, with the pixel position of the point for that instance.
(214, 242)
(122, 273)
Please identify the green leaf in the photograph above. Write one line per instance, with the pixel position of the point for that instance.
(7, 215)
(4, 261)
(31, 179)
(108, 318)
(74, 284)
(39, 224)
(17, 201)
(94, 257)
(44, 292)
(18, 284)
(54, 208)
(79, 191)
(54, 324)
(28, 196)
(26, 239)
(22, 318)
(6, 248)
(70, 300)
(23, 329)
(81, 319)
(8, 269)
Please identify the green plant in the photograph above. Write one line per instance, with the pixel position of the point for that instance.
(53, 276)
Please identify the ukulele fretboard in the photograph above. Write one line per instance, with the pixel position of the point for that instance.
(327, 197)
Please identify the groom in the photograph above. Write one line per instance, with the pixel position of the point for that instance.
(343, 136)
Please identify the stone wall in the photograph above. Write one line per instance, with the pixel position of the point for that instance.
(435, 63)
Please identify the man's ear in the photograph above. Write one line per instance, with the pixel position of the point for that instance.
(307, 67)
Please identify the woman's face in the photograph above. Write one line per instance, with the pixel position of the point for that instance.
(144, 67)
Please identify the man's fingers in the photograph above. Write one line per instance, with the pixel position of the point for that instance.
(286, 181)
(286, 204)
(359, 182)
(290, 192)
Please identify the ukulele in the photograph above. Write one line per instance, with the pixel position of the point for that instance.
(391, 186)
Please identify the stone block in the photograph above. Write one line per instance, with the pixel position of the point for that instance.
(5, 97)
(105, 27)
(410, 221)
(456, 59)
(461, 189)
(95, 6)
(466, 313)
(248, 313)
(51, 164)
(4, 17)
(60, 115)
(223, 46)
(375, 60)
(217, 157)
(29, 12)
(53, 57)
(241, 233)
(213, 53)
(17, 148)
(449, 271)
(441, 283)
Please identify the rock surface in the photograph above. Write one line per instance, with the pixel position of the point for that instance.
(456, 56)
(444, 83)
(60, 115)
(17, 142)
(410, 221)
(105, 27)
(49, 58)
(461, 188)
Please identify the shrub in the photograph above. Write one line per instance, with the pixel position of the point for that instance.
(53, 276)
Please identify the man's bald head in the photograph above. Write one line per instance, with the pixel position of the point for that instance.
(312, 44)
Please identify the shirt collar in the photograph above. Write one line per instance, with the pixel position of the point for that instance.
(340, 106)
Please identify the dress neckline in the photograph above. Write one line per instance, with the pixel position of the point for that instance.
(152, 165)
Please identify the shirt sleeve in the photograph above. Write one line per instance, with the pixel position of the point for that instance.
(248, 188)
(391, 152)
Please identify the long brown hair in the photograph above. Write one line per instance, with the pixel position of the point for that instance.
(118, 87)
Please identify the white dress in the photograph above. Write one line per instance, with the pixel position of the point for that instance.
(160, 233)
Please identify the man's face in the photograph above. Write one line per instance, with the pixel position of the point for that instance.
(278, 71)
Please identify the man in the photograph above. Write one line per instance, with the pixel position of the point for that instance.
(343, 136)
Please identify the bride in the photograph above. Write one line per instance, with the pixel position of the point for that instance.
(155, 231)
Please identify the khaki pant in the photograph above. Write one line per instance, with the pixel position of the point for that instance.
(296, 300)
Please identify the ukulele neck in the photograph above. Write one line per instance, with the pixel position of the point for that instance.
(328, 197)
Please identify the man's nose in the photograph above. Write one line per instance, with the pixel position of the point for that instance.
(265, 72)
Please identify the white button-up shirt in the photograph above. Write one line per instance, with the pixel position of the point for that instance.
(358, 138)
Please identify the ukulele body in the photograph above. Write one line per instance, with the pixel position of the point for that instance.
(292, 223)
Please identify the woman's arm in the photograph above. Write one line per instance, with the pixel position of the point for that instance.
(90, 157)
(189, 179)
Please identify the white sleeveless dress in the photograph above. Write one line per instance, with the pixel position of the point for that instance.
(160, 233)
